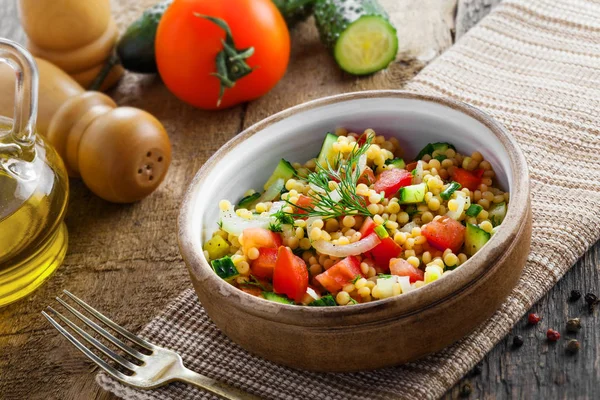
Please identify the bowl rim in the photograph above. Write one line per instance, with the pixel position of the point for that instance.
(378, 310)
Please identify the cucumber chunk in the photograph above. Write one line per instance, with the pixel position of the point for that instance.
(248, 202)
(327, 156)
(497, 213)
(381, 232)
(475, 238)
(325, 301)
(396, 162)
(412, 193)
(224, 268)
(473, 210)
(277, 298)
(217, 247)
(284, 170)
(451, 188)
(358, 32)
(272, 192)
(431, 147)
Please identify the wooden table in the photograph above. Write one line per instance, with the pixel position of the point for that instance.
(124, 259)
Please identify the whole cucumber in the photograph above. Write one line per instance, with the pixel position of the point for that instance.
(359, 33)
(136, 47)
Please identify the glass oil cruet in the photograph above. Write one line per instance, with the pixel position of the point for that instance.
(33, 189)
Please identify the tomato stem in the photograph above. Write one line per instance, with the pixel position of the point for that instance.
(230, 61)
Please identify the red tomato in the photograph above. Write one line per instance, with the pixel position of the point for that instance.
(260, 237)
(367, 177)
(384, 252)
(264, 265)
(290, 276)
(401, 267)
(391, 180)
(340, 274)
(186, 49)
(445, 233)
(367, 227)
(467, 179)
(304, 202)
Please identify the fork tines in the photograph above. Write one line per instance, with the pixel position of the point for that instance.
(118, 359)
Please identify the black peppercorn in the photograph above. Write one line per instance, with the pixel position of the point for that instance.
(575, 295)
(573, 346)
(591, 299)
(465, 389)
(573, 325)
(518, 341)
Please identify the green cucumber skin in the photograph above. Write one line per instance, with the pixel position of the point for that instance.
(136, 47)
(475, 239)
(295, 11)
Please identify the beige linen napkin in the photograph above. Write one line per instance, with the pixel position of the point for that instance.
(534, 65)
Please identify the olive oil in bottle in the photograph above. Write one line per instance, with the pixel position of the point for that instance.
(33, 189)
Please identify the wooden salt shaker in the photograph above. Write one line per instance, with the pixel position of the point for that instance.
(77, 36)
(121, 153)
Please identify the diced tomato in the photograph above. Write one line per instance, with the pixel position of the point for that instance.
(384, 252)
(466, 178)
(290, 276)
(253, 290)
(303, 202)
(410, 166)
(401, 267)
(445, 233)
(264, 265)
(367, 227)
(367, 177)
(260, 237)
(362, 139)
(391, 180)
(340, 274)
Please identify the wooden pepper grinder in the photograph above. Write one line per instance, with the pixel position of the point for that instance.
(121, 153)
(77, 36)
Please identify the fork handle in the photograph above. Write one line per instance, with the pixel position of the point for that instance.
(219, 388)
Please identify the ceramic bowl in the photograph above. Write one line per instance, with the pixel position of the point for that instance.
(379, 333)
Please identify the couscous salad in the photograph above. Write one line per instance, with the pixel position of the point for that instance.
(357, 223)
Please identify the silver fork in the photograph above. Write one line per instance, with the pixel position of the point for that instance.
(158, 368)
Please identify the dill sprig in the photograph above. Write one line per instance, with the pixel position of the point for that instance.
(346, 173)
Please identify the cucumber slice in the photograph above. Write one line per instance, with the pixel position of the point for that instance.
(224, 268)
(283, 170)
(497, 213)
(412, 193)
(431, 147)
(272, 192)
(277, 298)
(325, 301)
(359, 32)
(248, 202)
(396, 162)
(475, 238)
(451, 188)
(327, 156)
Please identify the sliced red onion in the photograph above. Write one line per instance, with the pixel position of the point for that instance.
(345, 250)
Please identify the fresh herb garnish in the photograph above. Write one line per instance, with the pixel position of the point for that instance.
(346, 173)
(352, 301)
(283, 218)
(356, 278)
(384, 276)
(275, 227)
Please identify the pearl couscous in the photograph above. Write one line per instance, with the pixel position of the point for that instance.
(357, 223)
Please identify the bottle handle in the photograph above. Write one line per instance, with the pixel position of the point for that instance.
(26, 93)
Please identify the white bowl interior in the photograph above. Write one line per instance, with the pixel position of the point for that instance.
(298, 138)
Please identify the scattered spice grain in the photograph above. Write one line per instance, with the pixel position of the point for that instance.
(552, 335)
(518, 341)
(533, 319)
(466, 389)
(573, 325)
(573, 346)
(591, 299)
(575, 295)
